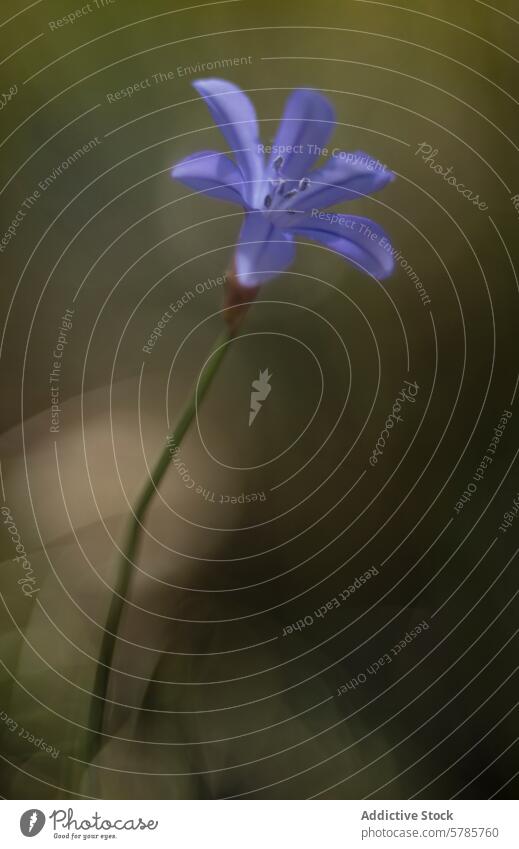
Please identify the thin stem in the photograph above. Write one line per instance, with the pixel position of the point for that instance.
(130, 546)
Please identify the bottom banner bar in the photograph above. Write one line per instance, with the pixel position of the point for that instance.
(256, 824)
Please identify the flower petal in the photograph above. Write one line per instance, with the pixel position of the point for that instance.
(357, 239)
(263, 250)
(345, 176)
(212, 173)
(234, 113)
(307, 123)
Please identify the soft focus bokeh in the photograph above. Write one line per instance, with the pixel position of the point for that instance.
(209, 699)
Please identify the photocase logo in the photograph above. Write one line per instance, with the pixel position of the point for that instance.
(260, 392)
(32, 822)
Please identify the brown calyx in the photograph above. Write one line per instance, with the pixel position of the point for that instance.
(237, 299)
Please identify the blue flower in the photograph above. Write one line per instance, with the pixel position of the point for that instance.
(280, 193)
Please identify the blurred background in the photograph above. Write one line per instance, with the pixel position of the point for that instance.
(208, 697)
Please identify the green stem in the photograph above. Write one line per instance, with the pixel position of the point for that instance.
(129, 549)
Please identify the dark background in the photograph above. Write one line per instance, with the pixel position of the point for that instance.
(212, 700)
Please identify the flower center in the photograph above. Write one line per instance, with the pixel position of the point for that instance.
(282, 194)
